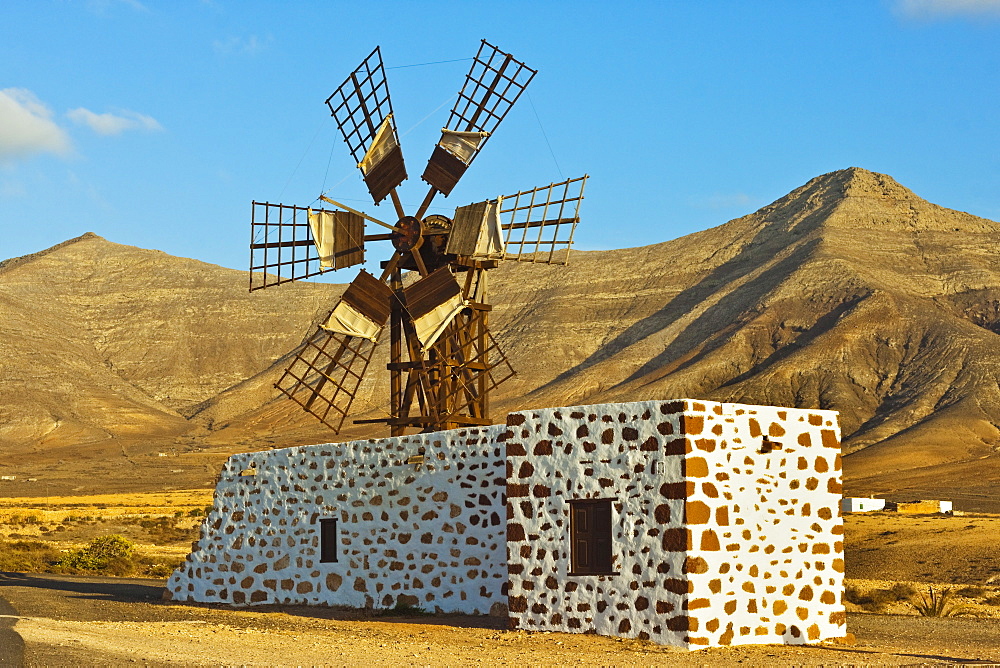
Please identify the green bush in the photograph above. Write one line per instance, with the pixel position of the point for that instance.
(107, 554)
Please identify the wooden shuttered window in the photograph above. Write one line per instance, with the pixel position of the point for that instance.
(590, 537)
(327, 540)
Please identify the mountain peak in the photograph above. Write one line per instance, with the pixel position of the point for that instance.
(23, 259)
(858, 182)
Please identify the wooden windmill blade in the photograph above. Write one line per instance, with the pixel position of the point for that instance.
(494, 83)
(539, 224)
(289, 243)
(326, 373)
(432, 303)
(362, 108)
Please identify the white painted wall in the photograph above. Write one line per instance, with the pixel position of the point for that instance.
(853, 504)
(430, 535)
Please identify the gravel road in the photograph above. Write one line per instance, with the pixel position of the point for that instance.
(103, 621)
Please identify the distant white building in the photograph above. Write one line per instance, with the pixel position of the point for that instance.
(853, 504)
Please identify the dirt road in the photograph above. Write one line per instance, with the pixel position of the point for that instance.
(101, 621)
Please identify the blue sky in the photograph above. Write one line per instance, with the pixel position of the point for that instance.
(155, 123)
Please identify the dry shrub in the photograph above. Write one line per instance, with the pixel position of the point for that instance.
(939, 604)
(971, 592)
(875, 600)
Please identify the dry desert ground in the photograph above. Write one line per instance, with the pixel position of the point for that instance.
(63, 619)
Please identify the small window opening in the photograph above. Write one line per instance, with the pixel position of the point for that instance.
(327, 540)
(590, 537)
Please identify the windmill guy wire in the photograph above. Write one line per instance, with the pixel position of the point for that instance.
(545, 136)
(436, 62)
(299, 164)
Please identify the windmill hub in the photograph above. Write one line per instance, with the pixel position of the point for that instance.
(408, 234)
(443, 360)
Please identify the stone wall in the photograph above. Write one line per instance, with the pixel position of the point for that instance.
(420, 522)
(726, 525)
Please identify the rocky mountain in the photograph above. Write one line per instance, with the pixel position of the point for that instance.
(850, 293)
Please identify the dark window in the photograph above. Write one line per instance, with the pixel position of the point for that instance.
(590, 537)
(327, 540)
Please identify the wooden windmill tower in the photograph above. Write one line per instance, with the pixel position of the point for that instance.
(443, 360)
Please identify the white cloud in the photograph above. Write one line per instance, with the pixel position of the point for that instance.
(113, 124)
(26, 126)
(245, 45)
(929, 10)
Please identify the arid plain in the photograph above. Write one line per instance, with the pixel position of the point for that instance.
(129, 371)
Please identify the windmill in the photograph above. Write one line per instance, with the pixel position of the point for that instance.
(443, 359)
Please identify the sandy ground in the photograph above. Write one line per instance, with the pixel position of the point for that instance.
(101, 621)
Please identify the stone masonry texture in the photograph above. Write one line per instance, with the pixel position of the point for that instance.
(726, 526)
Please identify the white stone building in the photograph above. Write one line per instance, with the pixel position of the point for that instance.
(689, 523)
(861, 504)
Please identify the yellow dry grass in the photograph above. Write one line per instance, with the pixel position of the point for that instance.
(54, 509)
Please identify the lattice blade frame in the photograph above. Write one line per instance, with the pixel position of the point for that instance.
(539, 224)
(494, 83)
(325, 375)
(359, 106)
(476, 365)
(282, 248)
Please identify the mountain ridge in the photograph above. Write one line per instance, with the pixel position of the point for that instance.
(851, 293)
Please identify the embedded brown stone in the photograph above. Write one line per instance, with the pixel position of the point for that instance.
(333, 581)
(677, 586)
(677, 446)
(676, 540)
(664, 607)
(543, 448)
(662, 513)
(517, 489)
(515, 532)
(695, 565)
(679, 623)
(673, 490)
(722, 516)
(515, 449)
(829, 438)
(709, 541)
(696, 467)
(541, 491)
(696, 512)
